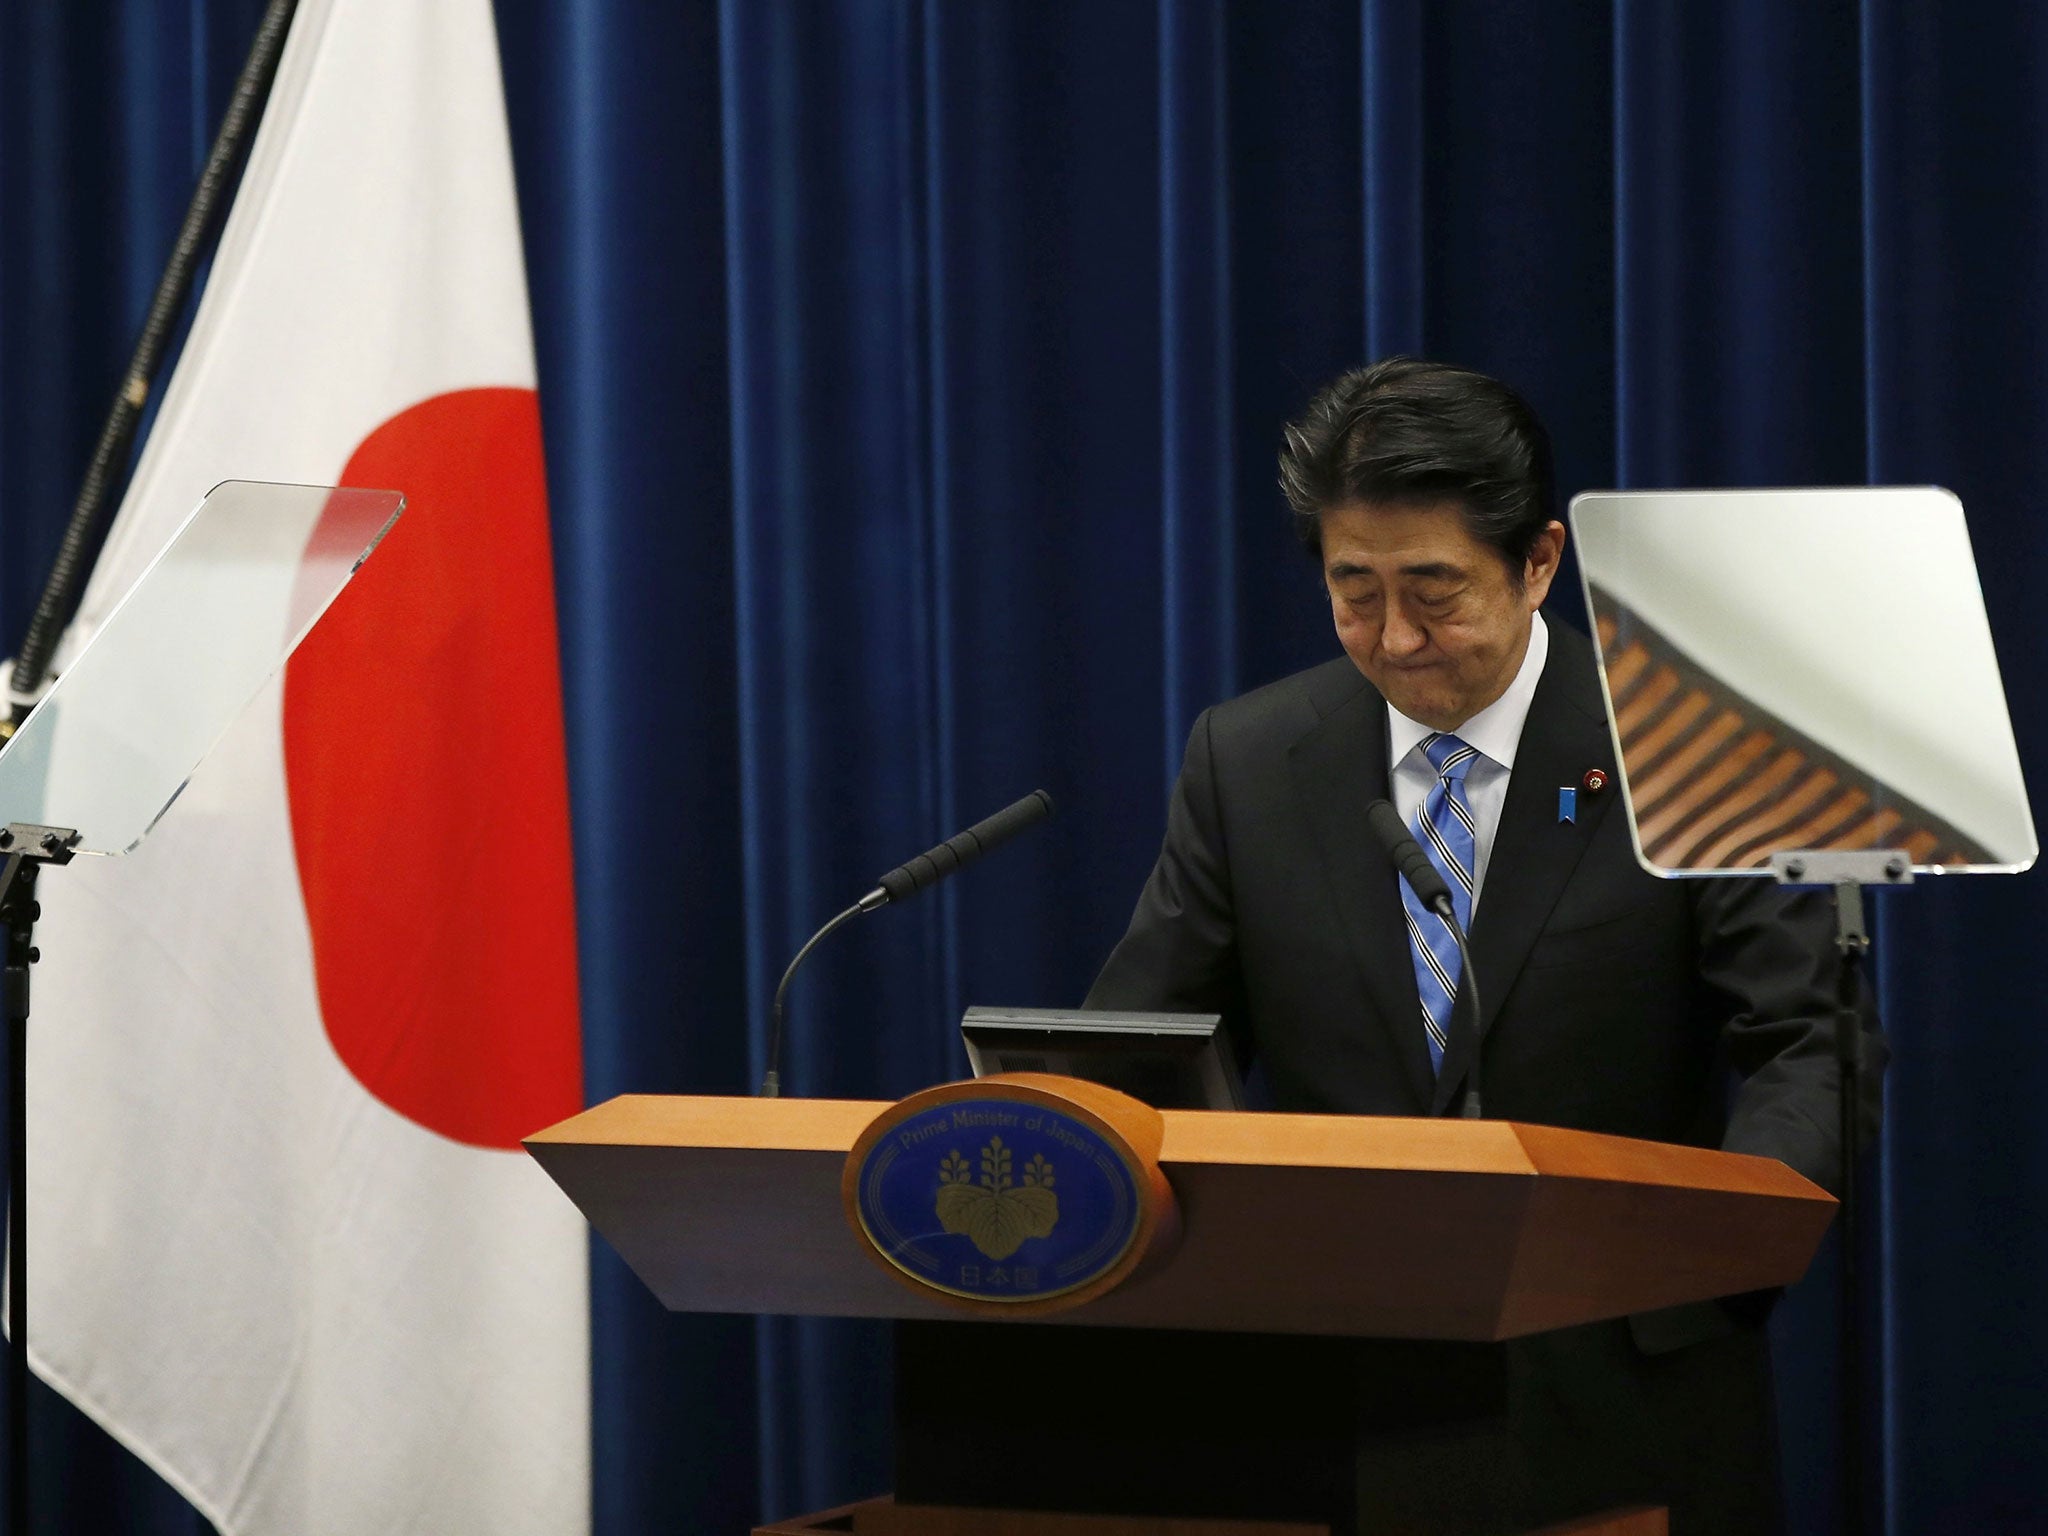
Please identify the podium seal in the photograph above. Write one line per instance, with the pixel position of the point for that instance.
(1018, 1193)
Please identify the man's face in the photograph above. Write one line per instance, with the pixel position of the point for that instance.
(1428, 612)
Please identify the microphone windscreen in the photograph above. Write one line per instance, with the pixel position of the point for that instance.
(1400, 846)
(963, 848)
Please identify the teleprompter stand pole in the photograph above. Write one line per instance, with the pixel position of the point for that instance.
(26, 849)
(1852, 938)
(1848, 873)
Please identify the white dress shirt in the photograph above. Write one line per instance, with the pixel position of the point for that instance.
(1494, 732)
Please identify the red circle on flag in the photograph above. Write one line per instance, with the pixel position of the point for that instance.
(425, 763)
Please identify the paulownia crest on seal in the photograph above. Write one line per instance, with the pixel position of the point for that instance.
(996, 1214)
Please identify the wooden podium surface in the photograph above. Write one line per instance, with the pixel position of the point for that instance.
(1401, 1228)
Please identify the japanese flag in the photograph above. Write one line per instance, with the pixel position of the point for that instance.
(283, 1243)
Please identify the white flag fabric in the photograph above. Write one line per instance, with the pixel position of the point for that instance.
(283, 1242)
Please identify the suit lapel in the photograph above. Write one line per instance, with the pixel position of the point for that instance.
(1340, 767)
(1534, 852)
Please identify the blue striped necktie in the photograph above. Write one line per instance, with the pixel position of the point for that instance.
(1445, 830)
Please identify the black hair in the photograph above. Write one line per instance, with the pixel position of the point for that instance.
(1405, 432)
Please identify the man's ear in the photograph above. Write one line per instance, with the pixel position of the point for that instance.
(1540, 569)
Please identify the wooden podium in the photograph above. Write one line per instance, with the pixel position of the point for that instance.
(1194, 1398)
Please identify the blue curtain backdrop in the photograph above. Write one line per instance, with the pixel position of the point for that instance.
(911, 376)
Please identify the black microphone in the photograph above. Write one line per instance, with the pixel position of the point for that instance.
(1423, 877)
(900, 884)
(1427, 881)
(961, 849)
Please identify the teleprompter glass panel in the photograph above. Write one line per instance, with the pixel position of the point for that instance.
(179, 657)
(1801, 670)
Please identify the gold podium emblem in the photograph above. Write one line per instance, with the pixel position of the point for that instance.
(1068, 1200)
(996, 1214)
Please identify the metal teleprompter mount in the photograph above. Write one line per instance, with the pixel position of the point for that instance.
(48, 845)
(1839, 867)
(25, 847)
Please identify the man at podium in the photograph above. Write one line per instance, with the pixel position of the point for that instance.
(1692, 1011)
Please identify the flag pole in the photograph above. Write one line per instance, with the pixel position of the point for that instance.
(59, 601)
(83, 534)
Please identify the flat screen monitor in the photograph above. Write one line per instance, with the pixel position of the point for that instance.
(1167, 1060)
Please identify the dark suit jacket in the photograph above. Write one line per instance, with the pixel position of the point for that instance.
(1610, 997)
(1613, 1001)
